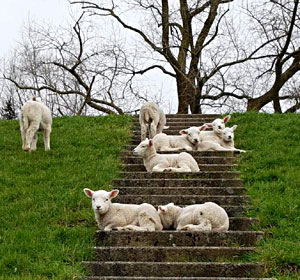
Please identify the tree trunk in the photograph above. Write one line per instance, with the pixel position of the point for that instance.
(186, 93)
(255, 104)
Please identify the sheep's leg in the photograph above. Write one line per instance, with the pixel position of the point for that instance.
(34, 142)
(169, 149)
(191, 227)
(182, 167)
(159, 168)
(46, 136)
(130, 227)
(143, 131)
(23, 136)
(211, 146)
(31, 131)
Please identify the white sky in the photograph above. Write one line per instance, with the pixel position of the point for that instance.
(14, 13)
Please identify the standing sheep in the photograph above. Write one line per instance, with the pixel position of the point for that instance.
(118, 216)
(198, 217)
(153, 118)
(153, 162)
(35, 115)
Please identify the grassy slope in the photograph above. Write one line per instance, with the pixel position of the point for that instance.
(271, 172)
(46, 223)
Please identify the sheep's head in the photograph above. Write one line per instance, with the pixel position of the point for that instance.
(193, 133)
(167, 214)
(143, 147)
(218, 124)
(101, 200)
(227, 133)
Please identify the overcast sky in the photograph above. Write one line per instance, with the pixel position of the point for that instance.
(14, 13)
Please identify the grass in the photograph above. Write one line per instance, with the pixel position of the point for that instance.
(271, 172)
(46, 221)
(47, 225)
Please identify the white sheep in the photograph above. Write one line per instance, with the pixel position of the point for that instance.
(154, 162)
(153, 118)
(117, 216)
(217, 128)
(188, 140)
(198, 217)
(225, 143)
(35, 115)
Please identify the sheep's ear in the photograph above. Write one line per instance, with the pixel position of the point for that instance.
(208, 125)
(162, 208)
(147, 138)
(113, 194)
(88, 192)
(227, 119)
(203, 127)
(234, 127)
(150, 142)
(183, 131)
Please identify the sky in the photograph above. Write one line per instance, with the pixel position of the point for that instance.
(15, 13)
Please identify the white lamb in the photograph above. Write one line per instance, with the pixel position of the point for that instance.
(225, 143)
(35, 115)
(188, 140)
(198, 217)
(153, 162)
(153, 118)
(116, 216)
(217, 128)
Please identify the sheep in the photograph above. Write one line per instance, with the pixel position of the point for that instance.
(153, 162)
(153, 118)
(198, 217)
(35, 115)
(188, 140)
(225, 143)
(116, 216)
(217, 125)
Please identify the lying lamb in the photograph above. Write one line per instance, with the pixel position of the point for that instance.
(116, 216)
(217, 128)
(198, 217)
(225, 143)
(153, 162)
(188, 140)
(35, 115)
(153, 118)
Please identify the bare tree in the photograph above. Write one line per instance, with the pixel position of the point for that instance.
(278, 21)
(75, 69)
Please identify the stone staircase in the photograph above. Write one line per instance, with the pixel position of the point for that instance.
(175, 255)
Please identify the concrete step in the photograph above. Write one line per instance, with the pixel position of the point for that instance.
(203, 167)
(187, 116)
(182, 175)
(169, 254)
(168, 183)
(180, 191)
(174, 238)
(169, 278)
(183, 199)
(173, 125)
(168, 131)
(200, 160)
(175, 269)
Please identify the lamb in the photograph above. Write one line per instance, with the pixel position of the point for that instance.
(153, 118)
(188, 140)
(198, 217)
(35, 115)
(153, 162)
(116, 216)
(216, 134)
(225, 143)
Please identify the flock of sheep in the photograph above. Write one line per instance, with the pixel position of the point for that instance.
(209, 216)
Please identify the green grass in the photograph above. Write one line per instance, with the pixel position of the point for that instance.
(46, 221)
(271, 172)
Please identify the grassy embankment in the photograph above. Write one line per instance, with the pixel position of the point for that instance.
(46, 224)
(46, 221)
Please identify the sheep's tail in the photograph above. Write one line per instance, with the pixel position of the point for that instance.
(147, 117)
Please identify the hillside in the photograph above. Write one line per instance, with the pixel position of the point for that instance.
(46, 221)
